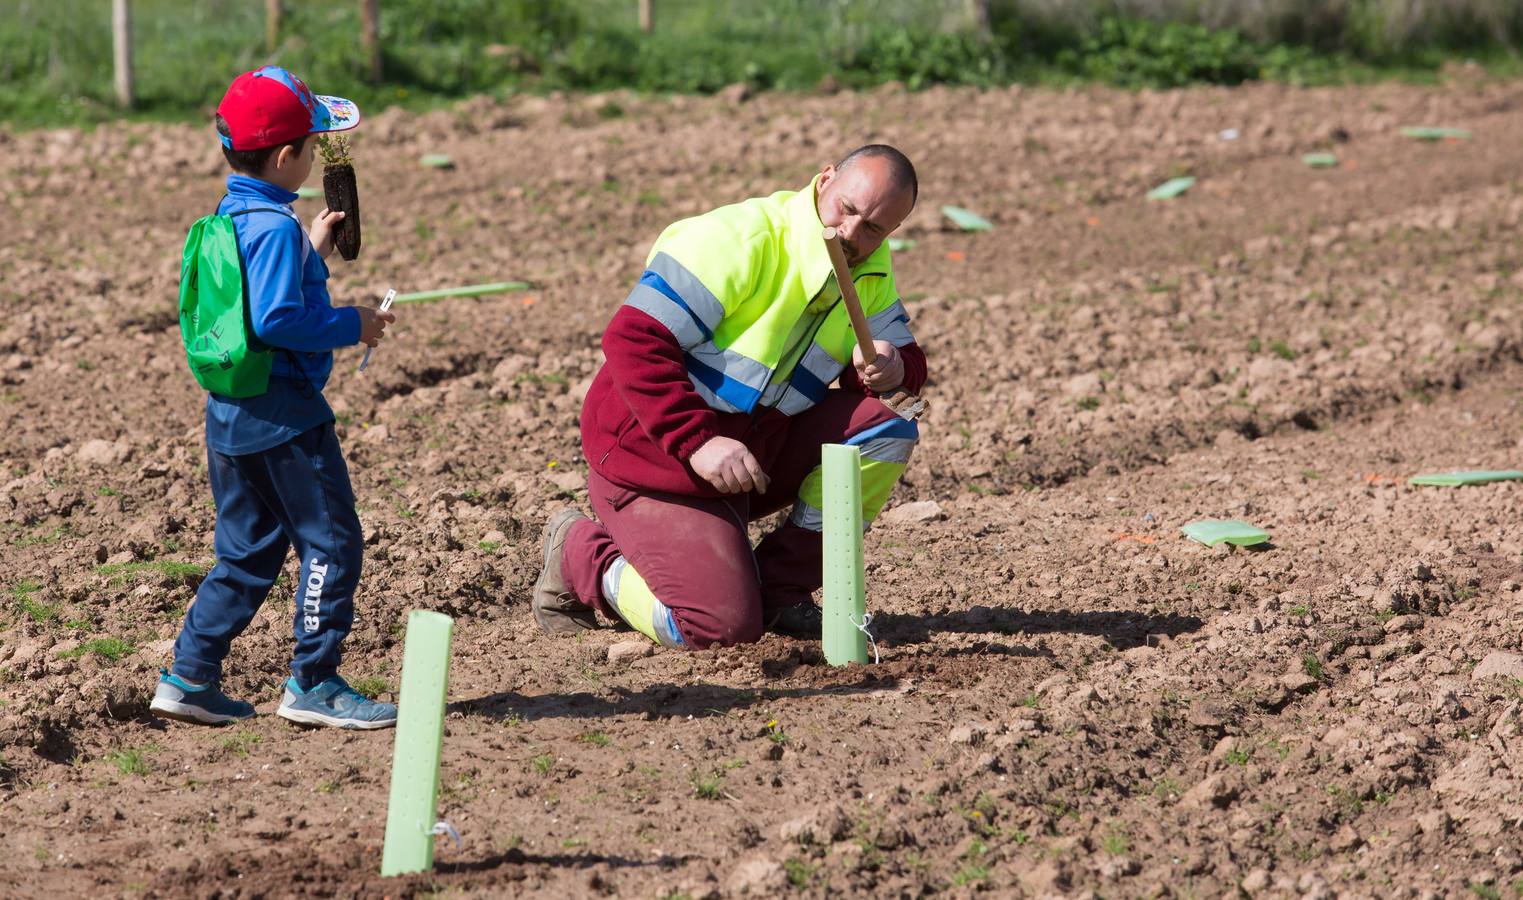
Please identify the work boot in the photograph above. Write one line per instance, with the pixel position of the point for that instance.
(556, 608)
(803, 620)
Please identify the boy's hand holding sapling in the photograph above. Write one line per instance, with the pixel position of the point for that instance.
(324, 224)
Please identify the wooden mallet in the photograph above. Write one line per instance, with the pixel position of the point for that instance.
(902, 402)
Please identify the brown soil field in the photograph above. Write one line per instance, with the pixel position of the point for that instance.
(1073, 700)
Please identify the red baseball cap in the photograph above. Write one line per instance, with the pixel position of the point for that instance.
(270, 106)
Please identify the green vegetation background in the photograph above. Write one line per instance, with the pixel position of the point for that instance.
(55, 55)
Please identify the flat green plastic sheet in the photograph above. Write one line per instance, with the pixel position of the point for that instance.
(1455, 479)
(899, 245)
(436, 161)
(1232, 531)
(966, 219)
(1436, 134)
(470, 290)
(1171, 188)
(1320, 160)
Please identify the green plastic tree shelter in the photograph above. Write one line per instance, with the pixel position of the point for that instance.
(1233, 531)
(1458, 479)
(1172, 188)
(845, 592)
(966, 219)
(411, 814)
(471, 290)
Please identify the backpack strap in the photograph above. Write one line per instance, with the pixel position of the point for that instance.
(251, 209)
(307, 390)
(243, 212)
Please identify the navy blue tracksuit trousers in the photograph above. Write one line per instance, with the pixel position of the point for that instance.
(295, 494)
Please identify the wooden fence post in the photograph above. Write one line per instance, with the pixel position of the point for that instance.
(271, 25)
(370, 37)
(647, 16)
(121, 50)
(978, 12)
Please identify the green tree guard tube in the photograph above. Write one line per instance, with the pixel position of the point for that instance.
(845, 595)
(470, 290)
(411, 814)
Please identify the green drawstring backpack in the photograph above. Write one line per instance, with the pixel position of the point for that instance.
(220, 345)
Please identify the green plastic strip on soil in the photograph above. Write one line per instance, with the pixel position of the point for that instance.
(470, 290)
(1456, 479)
(1171, 188)
(966, 219)
(436, 161)
(1320, 160)
(412, 811)
(1436, 134)
(845, 590)
(308, 193)
(899, 245)
(1232, 531)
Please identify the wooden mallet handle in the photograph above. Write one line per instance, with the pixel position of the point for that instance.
(849, 295)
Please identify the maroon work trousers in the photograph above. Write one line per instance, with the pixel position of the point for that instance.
(694, 552)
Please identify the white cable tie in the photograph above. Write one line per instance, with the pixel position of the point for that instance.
(443, 827)
(385, 305)
(861, 626)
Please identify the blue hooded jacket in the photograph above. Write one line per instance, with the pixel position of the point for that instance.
(291, 311)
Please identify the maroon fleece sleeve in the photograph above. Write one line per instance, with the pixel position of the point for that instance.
(651, 378)
(915, 368)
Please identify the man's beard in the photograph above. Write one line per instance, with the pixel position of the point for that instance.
(851, 251)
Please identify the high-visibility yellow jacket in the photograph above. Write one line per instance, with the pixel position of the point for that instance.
(735, 322)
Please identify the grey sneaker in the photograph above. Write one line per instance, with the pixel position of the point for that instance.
(801, 620)
(204, 704)
(335, 704)
(556, 609)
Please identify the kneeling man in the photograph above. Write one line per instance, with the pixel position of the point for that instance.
(713, 406)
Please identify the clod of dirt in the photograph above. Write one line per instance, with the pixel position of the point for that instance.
(566, 480)
(104, 453)
(1255, 881)
(1299, 683)
(1499, 663)
(756, 874)
(819, 826)
(1213, 790)
(626, 652)
(910, 513)
(972, 734)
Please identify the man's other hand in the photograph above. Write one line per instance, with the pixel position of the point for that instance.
(729, 466)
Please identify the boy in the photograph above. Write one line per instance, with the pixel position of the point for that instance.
(277, 475)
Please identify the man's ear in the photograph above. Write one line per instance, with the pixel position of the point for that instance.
(826, 175)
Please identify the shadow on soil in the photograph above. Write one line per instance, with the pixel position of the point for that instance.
(666, 700)
(1121, 630)
(517, 857)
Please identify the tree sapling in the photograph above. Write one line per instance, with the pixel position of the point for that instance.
(341, 192)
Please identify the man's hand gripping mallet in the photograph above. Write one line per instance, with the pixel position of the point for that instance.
(902, 402)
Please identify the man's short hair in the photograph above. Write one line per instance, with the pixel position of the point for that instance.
(251, 162)
(899, 166)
